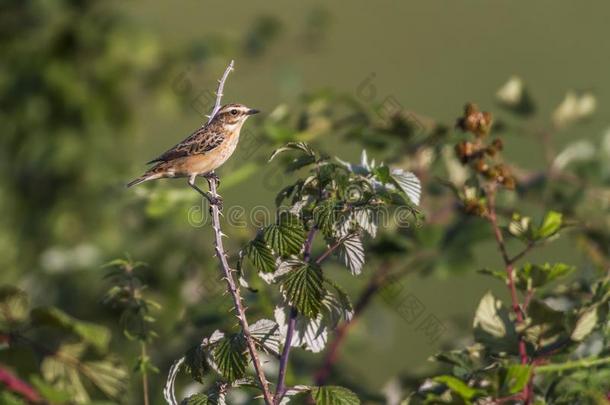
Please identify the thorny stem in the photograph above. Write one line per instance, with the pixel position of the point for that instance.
(226, 269)
(236, 295)
(292, 320)
(509, 267)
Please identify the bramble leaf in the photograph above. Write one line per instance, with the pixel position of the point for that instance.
(260, 255)
(493, 327)
(334, 395)
(551, 224)
(299, 146)
(351, 251)
(303, 288)
(287, 236)
(230, 357)
(96, 335)
(324, 216)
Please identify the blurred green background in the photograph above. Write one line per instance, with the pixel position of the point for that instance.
(90, 90)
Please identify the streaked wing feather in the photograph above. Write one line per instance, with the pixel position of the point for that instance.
(201, 141)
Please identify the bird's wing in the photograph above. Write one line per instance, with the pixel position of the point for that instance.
(201, 141)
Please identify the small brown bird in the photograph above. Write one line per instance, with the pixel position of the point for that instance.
(203, 151)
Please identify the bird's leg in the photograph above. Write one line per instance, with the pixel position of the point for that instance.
(213, 176)
(211, 199)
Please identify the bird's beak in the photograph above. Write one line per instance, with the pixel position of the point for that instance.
(252, 111)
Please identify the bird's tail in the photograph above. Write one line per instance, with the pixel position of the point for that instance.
(142, 179)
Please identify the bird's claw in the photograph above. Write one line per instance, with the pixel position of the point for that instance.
(213, 176)
(217, 201)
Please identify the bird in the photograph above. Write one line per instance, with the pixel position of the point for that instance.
(203, 151)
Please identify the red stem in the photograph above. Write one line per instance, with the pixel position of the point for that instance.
(18, 386)
(509, 267)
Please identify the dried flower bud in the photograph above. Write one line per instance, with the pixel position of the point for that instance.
(509, 182)
(475, 207)
(481, 166)
(464, 150)
(475, 121)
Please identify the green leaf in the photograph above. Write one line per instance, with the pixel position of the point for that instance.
(351, 251)
(338, 305)
(382, 174)
(14, 307)
(287, 236)
(550, 226)
(587, 323)
(197, 399)
(333, 395)
(196, 364)
(266, 335)
(260, 255)
(96, 335)
(367, 220)
(325, 216)
(537, 276)
(230, 357)
(493, 327)
(299, 146)
(303, 288)
(108, 375)
(516, 378)
(458, 386)
(408, 183)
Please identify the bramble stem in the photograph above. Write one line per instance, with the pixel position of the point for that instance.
(509, 267)
(236, 295)
(292, 321)
(281, 381)
(226, 269)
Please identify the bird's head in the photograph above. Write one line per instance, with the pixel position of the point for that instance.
(234, 114)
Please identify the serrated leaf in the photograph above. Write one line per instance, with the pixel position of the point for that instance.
(230, 357)
(408, 183)
(551, 224)
(96, 335)
(260, 255)
(325, 216)
(537, 276)
(458, 386)
(287, 236)
(334, 395)
(303, 288)
(493, 327)
(309, 333)
(516, 378)
(585, 324)
(14, 306)
(197, 399)
(169, 390)
(298, 146)
(351, 251)
(266, 335)
(367, 220)
(108, 375)
(195, 363)
(337, 306)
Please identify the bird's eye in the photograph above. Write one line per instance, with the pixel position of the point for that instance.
(233, 112)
